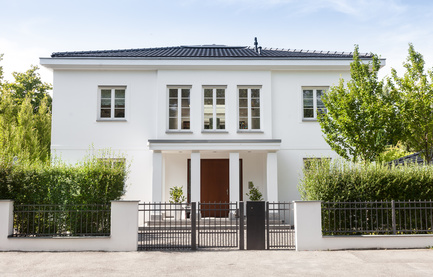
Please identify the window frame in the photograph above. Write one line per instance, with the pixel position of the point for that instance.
(112, 105)
(179, 106)
(214, 108)
(306, 161)
(249, 109)
(314, 89)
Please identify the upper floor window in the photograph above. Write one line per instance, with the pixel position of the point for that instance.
(179, 108)
(312, 101)
(214, 108)
(112, 102)
(249, 108)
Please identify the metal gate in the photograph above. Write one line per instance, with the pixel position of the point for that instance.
(175, 226)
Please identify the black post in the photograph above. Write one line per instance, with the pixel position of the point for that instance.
(255, 225)
(193, 226)
(241, 226)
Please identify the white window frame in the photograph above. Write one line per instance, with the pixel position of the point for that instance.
(112, 107)
(314, 89)
(179, 110)
(214, 98)
(249, 88)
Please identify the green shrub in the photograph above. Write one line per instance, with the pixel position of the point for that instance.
(342, 181)
(93, 181)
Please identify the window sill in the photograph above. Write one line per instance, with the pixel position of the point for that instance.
(309, 120)
(215, 131)
(251, 131)
(111, 120)
(178, 132)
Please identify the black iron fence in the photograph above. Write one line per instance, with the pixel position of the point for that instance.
(61, 220)
(279, 224)
(175, 226)
(379, 217)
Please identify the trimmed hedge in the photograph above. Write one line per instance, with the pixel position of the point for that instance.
(93, 181)
(342, 181)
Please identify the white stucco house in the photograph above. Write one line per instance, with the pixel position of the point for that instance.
(209, 118)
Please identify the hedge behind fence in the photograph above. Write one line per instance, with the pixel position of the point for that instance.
(94, 181)
(341, 181)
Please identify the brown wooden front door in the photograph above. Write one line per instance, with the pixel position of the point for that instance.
(214, 187)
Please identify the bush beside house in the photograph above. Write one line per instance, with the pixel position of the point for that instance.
(94, 181)
(343, 181)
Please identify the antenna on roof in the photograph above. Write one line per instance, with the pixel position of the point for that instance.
(256, 44)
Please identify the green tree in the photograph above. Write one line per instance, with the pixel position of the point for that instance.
(359, 123)
(29, 84)
(415, 104)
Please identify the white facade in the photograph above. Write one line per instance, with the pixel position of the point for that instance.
(272, 157)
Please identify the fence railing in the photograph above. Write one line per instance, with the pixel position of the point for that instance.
(379, 217)
(279, 224)
(61, 220)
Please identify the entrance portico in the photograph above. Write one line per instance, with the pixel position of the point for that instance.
(259, 157)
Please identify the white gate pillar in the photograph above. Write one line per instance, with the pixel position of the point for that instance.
(157, 176)
(272, 177)
(234, 177)
(195, 176)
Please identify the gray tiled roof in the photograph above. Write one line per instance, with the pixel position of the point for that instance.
(209, 51)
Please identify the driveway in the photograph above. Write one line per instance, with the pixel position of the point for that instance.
(219, 263)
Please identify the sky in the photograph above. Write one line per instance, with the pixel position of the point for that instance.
(32, 29)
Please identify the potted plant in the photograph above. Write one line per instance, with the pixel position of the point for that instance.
(254, 194)
(177, 197)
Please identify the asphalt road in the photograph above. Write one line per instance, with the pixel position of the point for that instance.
(219, 263)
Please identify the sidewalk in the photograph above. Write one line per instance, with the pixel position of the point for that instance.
(219, 263)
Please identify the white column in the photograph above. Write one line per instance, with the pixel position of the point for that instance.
(308, 225)
(157, 177)
(272, 177)
(195, 176)
(124, 226)
(6, 222)
(234, 177)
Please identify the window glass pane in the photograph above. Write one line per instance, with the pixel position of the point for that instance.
(220, 93)
(208, 102)
(255, 112)
(185, 93)
(308, 94)
(106, 93)
(321, 111)
(119, 93)
(221, 121)
(105, 103)
(221, 101)
(255, 123)
(172, 112)
(243, 103)
(207, 118)
(208, 93)
(119, 113)
(255, 93)
(308, 113)
(173, 102)
(172, 123)
(243, 123)
(308, 103)
(172, 93)
(255, 102)
(119, 103)
(185, 123)
(105, 113)
(185, 112)
(243, 112)
(319, 93)
(185, 102)
(243, 93)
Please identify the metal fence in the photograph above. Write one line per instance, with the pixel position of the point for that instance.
(174, 226)
(218, 225)
(279, 224)
(61, 220)
(379, 217)
(165, 226)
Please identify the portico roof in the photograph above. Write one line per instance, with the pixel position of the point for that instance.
(215, 144)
